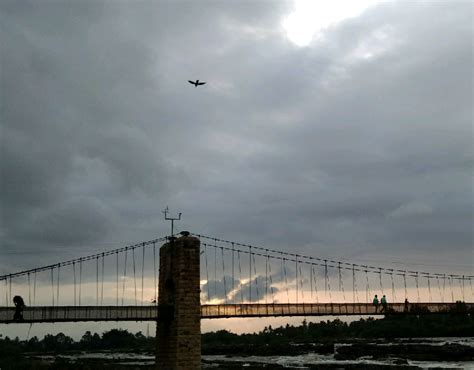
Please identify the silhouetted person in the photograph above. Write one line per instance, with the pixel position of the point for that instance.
(19, 306)
(375, 302)
(383, 301)
(405, 309)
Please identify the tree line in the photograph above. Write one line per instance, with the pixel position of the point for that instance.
(109, 340)
(459, 322)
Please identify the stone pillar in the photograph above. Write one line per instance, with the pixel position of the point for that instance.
(178, 332)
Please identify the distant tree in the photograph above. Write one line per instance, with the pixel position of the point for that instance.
(86, 339)
(96, 342)
(118, 338)
(58, 342)
(90, 341)
(32, 344)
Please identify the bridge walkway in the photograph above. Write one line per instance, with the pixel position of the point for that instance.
(40, 314)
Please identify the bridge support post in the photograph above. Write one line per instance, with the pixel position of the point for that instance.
(178, 332)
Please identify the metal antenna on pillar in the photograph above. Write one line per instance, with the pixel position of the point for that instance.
(172, 219)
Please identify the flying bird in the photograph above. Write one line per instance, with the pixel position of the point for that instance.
(196, 83)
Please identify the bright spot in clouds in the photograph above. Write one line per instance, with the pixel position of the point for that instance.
(312, 16)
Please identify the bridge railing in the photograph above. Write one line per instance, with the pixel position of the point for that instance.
(150, 313)
(81, 313)
(324, 309)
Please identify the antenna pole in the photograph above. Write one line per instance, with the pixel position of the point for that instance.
(172, 219)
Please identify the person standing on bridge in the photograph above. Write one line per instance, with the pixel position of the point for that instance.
(19, 306)
(375, 302)
(383, 301)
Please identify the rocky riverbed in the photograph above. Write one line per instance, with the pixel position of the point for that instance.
(401, 354)
(411, 351)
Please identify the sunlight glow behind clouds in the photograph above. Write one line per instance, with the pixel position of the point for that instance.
(310, 17)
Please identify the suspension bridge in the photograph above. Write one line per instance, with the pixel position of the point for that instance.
(236, 280)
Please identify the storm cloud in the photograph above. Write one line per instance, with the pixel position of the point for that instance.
(358, 146)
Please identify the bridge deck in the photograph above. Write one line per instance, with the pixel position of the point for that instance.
(150, 313)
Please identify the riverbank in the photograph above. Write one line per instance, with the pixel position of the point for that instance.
(401, 354)
(363, 344)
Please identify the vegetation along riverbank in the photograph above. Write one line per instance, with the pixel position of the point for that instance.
(366, 338)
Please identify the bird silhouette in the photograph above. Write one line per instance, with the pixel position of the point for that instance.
(196, 83)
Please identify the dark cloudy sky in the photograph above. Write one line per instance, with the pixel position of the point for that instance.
(357, 145)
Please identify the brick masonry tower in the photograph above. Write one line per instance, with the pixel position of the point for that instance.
(178, 332)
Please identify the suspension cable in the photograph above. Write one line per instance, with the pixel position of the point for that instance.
(207, 276)
(417, 288)
(341, 284)
(470, 285)
(266, 280)
(310, 263)
(296, 277)
(134, 275)
(301, 284)
(405, 285)
(367, 289)
(451, 287)
(74, 274)
(117, 281)
(250, 274)
(384, 271)
(57, 291)
(353, 285)
(215, 271)
(256, 278)
(315, 284)
(52, 286)
(80, 280)
(444, 286)
(356, 290)
(429, 289)
(240, 279)
(439, 289)
(154, 275)
(346, 264)
(124, 275)
(293, 258)
(394, 293)
(271, 280)
(143, 272)
(233, 274)
(102, 282)
(325, 277)
(380, 279)
(286, 280)
(223, 275)
(97, 281)
(29, 290)
(80, 259)
(340, 276)
(329, 286)
(10, 289)
(296, 258)
(34, 290)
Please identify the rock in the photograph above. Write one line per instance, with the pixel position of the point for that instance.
(420, 352)
(283, 349)
(400, 361)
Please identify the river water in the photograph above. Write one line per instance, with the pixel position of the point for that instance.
(304, 361)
